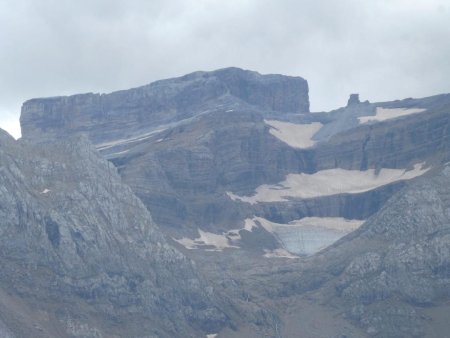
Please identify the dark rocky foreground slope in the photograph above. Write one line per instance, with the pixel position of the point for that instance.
(81, 257)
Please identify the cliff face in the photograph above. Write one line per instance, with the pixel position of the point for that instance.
(75, 240)
(123, 114)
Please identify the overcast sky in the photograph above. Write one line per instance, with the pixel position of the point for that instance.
(382, 49)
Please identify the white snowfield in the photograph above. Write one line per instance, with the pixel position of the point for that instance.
(308, 235)
(383, 114)
(295, 135)
(328, 182)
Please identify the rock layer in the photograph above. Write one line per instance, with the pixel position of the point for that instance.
(122, 114)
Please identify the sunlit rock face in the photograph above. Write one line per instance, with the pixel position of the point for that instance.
(209, 150)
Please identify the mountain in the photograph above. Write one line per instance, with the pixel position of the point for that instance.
(330, 224)
(81, 256)
(223, 156)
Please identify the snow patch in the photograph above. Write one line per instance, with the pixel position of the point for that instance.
(235, 235)
(383, 114)
(119, 153)
(45, 191)
(279, 253)
(309, 235)
(328, 182)
(227, 239)
(107, 145)
(295, 135)
(212, 335)
(207, 240)
(250, 224)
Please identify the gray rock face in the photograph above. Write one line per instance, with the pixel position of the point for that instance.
(182, 144)
(414, 263)
(72, 233)
(108, 117)
(4, 331)
(395, 268)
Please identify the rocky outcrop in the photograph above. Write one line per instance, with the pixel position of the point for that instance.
(77, 241)
(353, 99)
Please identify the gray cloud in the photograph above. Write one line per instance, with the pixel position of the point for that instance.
(384, 49)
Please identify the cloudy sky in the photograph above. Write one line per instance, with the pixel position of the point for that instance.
(383, 49)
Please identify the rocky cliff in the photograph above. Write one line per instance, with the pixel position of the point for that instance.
(81, 249)
(127, 113)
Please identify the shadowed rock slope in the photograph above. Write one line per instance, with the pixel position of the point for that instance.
(81, 257)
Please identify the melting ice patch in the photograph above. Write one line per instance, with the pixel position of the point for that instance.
(328, 182)
(308, 235)
(295, 135)
(383, 114)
